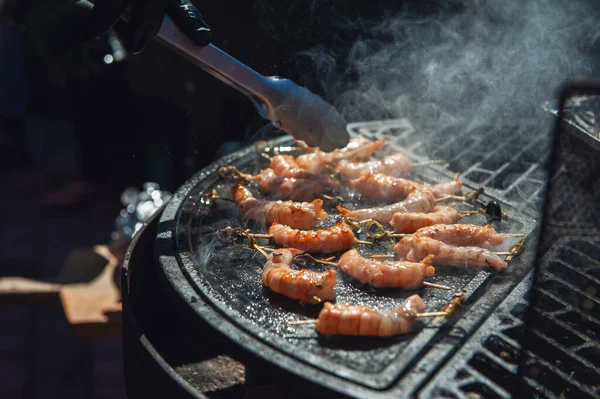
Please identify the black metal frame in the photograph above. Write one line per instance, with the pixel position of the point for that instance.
(559, 275)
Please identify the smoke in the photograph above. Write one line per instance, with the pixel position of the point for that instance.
(466, 67)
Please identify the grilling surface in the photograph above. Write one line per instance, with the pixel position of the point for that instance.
(228, 278)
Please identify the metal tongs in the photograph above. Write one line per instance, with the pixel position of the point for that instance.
(292, 108)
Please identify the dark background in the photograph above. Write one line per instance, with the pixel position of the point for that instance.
(75, 131)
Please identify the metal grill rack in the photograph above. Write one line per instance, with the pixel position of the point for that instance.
(486, 366)
(509, 161)
(562, 361)
(563, 353)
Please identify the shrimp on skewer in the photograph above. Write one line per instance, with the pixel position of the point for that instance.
(418, 200)
(415, 249)
(286, 166)
(397, 274)
(385, 187)
(338, 237)
(409, 222)
(394, 165)
(381, 186)
(305, 285)
(359, 148)
(286, 187)
(357, 320)
(299, 215)
(463, 235)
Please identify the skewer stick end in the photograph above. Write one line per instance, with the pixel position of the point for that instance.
(432, 314)
(300, 322)
(439, 286)
(383, 256)
(432, 162)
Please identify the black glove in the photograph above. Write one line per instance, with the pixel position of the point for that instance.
(62, 25)
(145, 18)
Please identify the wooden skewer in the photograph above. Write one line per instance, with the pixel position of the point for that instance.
(469, 197)
(516, 249)
(432, 314)
(383, 256)
(301, 322)
(315, 321)
(213, 195)
(432, 162)
(439, 286)
(230, 172)
(382, 233)
(336, 198)
(267, 236)
(233, 234)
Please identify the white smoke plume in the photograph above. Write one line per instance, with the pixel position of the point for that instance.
(461, 67)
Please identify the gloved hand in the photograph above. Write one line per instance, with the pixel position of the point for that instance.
(61, 25)
(145, 18)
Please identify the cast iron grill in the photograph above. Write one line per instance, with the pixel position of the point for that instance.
(401, 365)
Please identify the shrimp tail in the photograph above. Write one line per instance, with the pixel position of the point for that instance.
(429, 270)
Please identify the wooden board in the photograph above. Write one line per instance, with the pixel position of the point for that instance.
(92, 309)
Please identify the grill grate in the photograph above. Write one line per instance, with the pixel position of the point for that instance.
(509, 161)
(414, 359)
(564, 358)
(563, 354)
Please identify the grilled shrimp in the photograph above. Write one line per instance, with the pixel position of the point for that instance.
(451, 187)
(394, 165)
(378, 273)
(335, 238)
(419, 200)
(359, 148)
(286, 166)
(379, 185)
(299, 215)
(385, 187)
(415, 249)
(288, 187)
(463, 234)
(305, 285)
(410, 222)
(361, 320)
